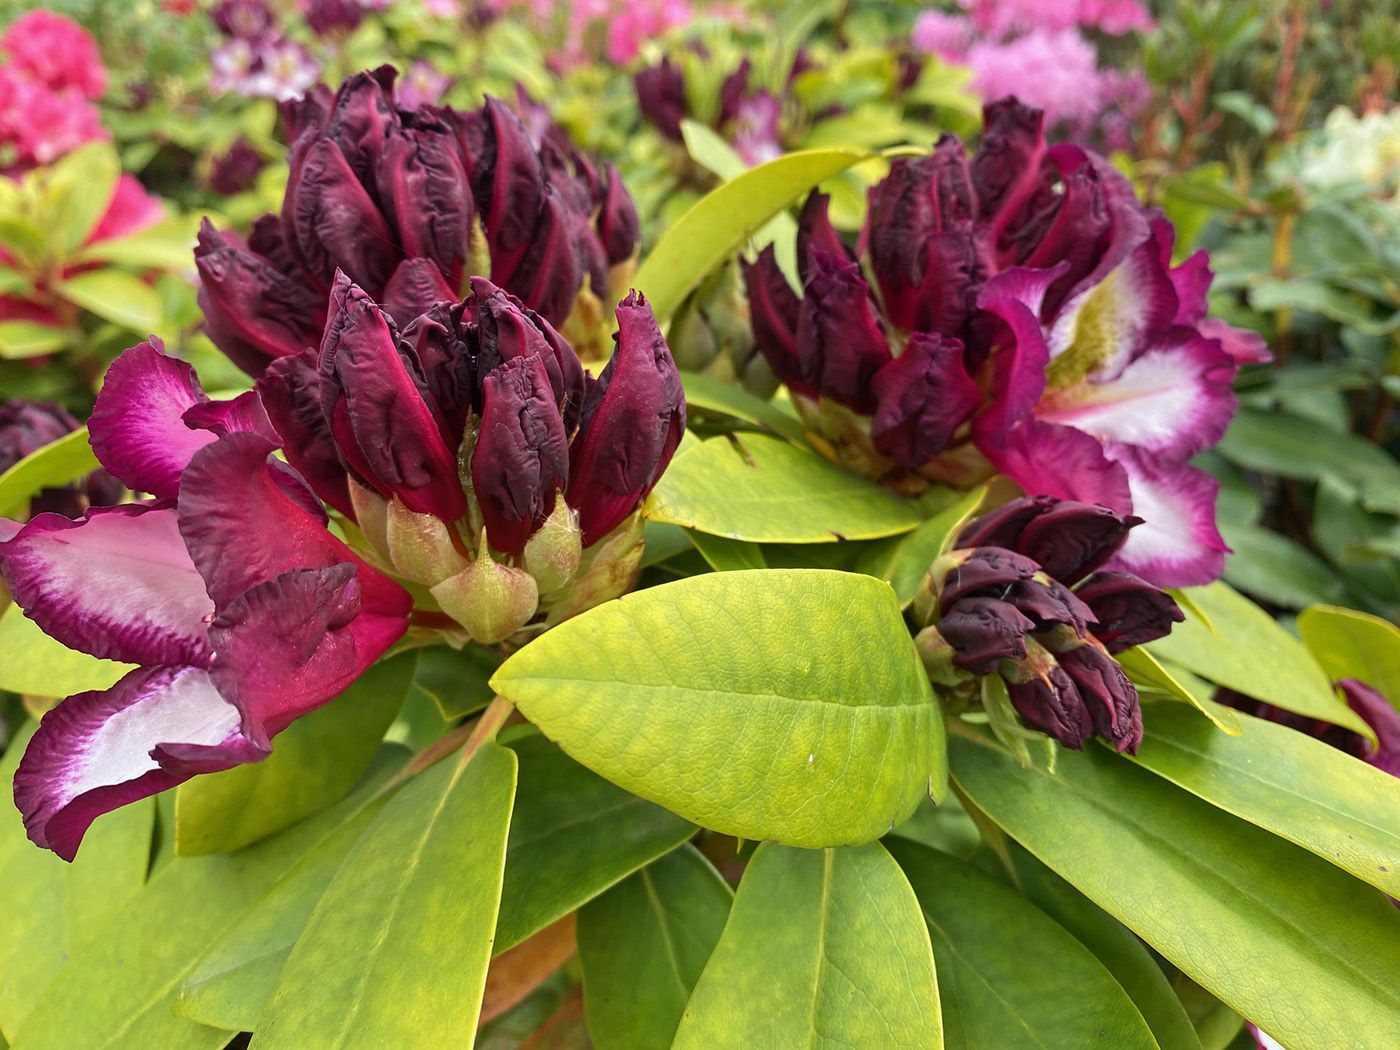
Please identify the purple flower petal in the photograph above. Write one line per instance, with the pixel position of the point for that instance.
(1178, 544)
(137, 429)
(96, 752)
(118, 584)
(290, 391)
(1046, 459)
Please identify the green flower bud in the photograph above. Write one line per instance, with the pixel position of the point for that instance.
(608, 570)
(372, 514)
(492, 601)
(420, 545)
(553, 553)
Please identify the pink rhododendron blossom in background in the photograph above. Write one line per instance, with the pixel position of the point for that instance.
(756, 137)
(939, 33)
(1052, 69)
(443, 8)
(633, 24)
(422, 85)
(56, 52)
(39, 125)
(1116, 17)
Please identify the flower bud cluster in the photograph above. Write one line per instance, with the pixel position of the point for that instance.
(408, 203)
(1019, 596)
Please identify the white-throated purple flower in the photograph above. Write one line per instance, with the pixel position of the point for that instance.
(1018, 597)
(240, 607)
(401, 200)
(1024, 317)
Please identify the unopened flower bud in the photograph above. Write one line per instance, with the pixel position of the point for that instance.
(553, 553)
(960, 573)
(1109, 696)
(491, 600)
(372, 515)
(985, 631)
(1069, 539)
(1049, 602)
(839, 332)
(420, 546)
(1046, 697)
(922, 397)
(1130, 611)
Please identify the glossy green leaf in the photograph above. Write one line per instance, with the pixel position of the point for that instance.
(1293, 943)
(314, 762)
(22, 339)
(33, 947)
(79, 187)
(168, 245)
(1245, 649)
(1299, 788)
(763, 489)
(708, 394)
(725, 555)
(643, 945)
(118, 990)
(717, 226)
(822, 949)
(1351, 644)
(1008, 974)
(57, 463)
(115, 296)
(1152, 677)
(1113, 944)
(108, 870)
(572, 836)
(396, 950)
(784, 704)
(457, 680)
(231, 984)
(33, 664)
(903, 561)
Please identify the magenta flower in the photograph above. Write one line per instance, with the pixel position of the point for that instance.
(1026, 320)
(56, 52)
(395, 198)
(243, 611)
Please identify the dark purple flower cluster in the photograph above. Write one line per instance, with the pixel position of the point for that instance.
(746, 115)
(1022, 596)
(26, 427)
(408, 203)
(1015, 311)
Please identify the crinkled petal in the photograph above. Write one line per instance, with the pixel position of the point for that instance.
(290, 391)
(93, 753)
(233, 416)
(118, 584)
(243, 529)
(1172, 401)
(137, 428)
(1178, 544)
(1246, 347)
(287, 646)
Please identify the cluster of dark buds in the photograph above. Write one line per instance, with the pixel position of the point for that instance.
(1015, 311)
(1020, 602)
(27, 426)
(747, 115)
(478, 457)
(408, 203)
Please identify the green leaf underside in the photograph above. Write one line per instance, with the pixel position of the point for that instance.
(643, 945)
(1299, 788)
(572, 836)
(771, 704)
(822, 949)
(1249, 652)
(313, 763)
(1287, 940)
(767, 490)
(414, 906)
(1008, 974)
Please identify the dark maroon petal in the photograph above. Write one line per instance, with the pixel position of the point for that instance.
(1049, 602)
(619, 228)
(416, 287)
(509, 184)
(118, 584)
(633, 419)
(268, 239)
(954, 269)
(548, 274)
(290, 391)
(1005, 169)
(1072, 539)
(443, 338)
(361, 117)
(816, 234)
(983, 632)
(1047, 699)
(243, 529)
(232, 416)
(839, 337)
(332, 224)
(385, 429)
(287, 646)
(1380, 714)
(732, 92)
(921, 398)
(1003, 526)
(1109, 696)
(27, 426)
(425, 193)
(1130, 610)
(253, 311)
(99, 751)
(136, 428)
(773, 311)
(507, 329)
(661, 97)
(521, 460)
(983, 569)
